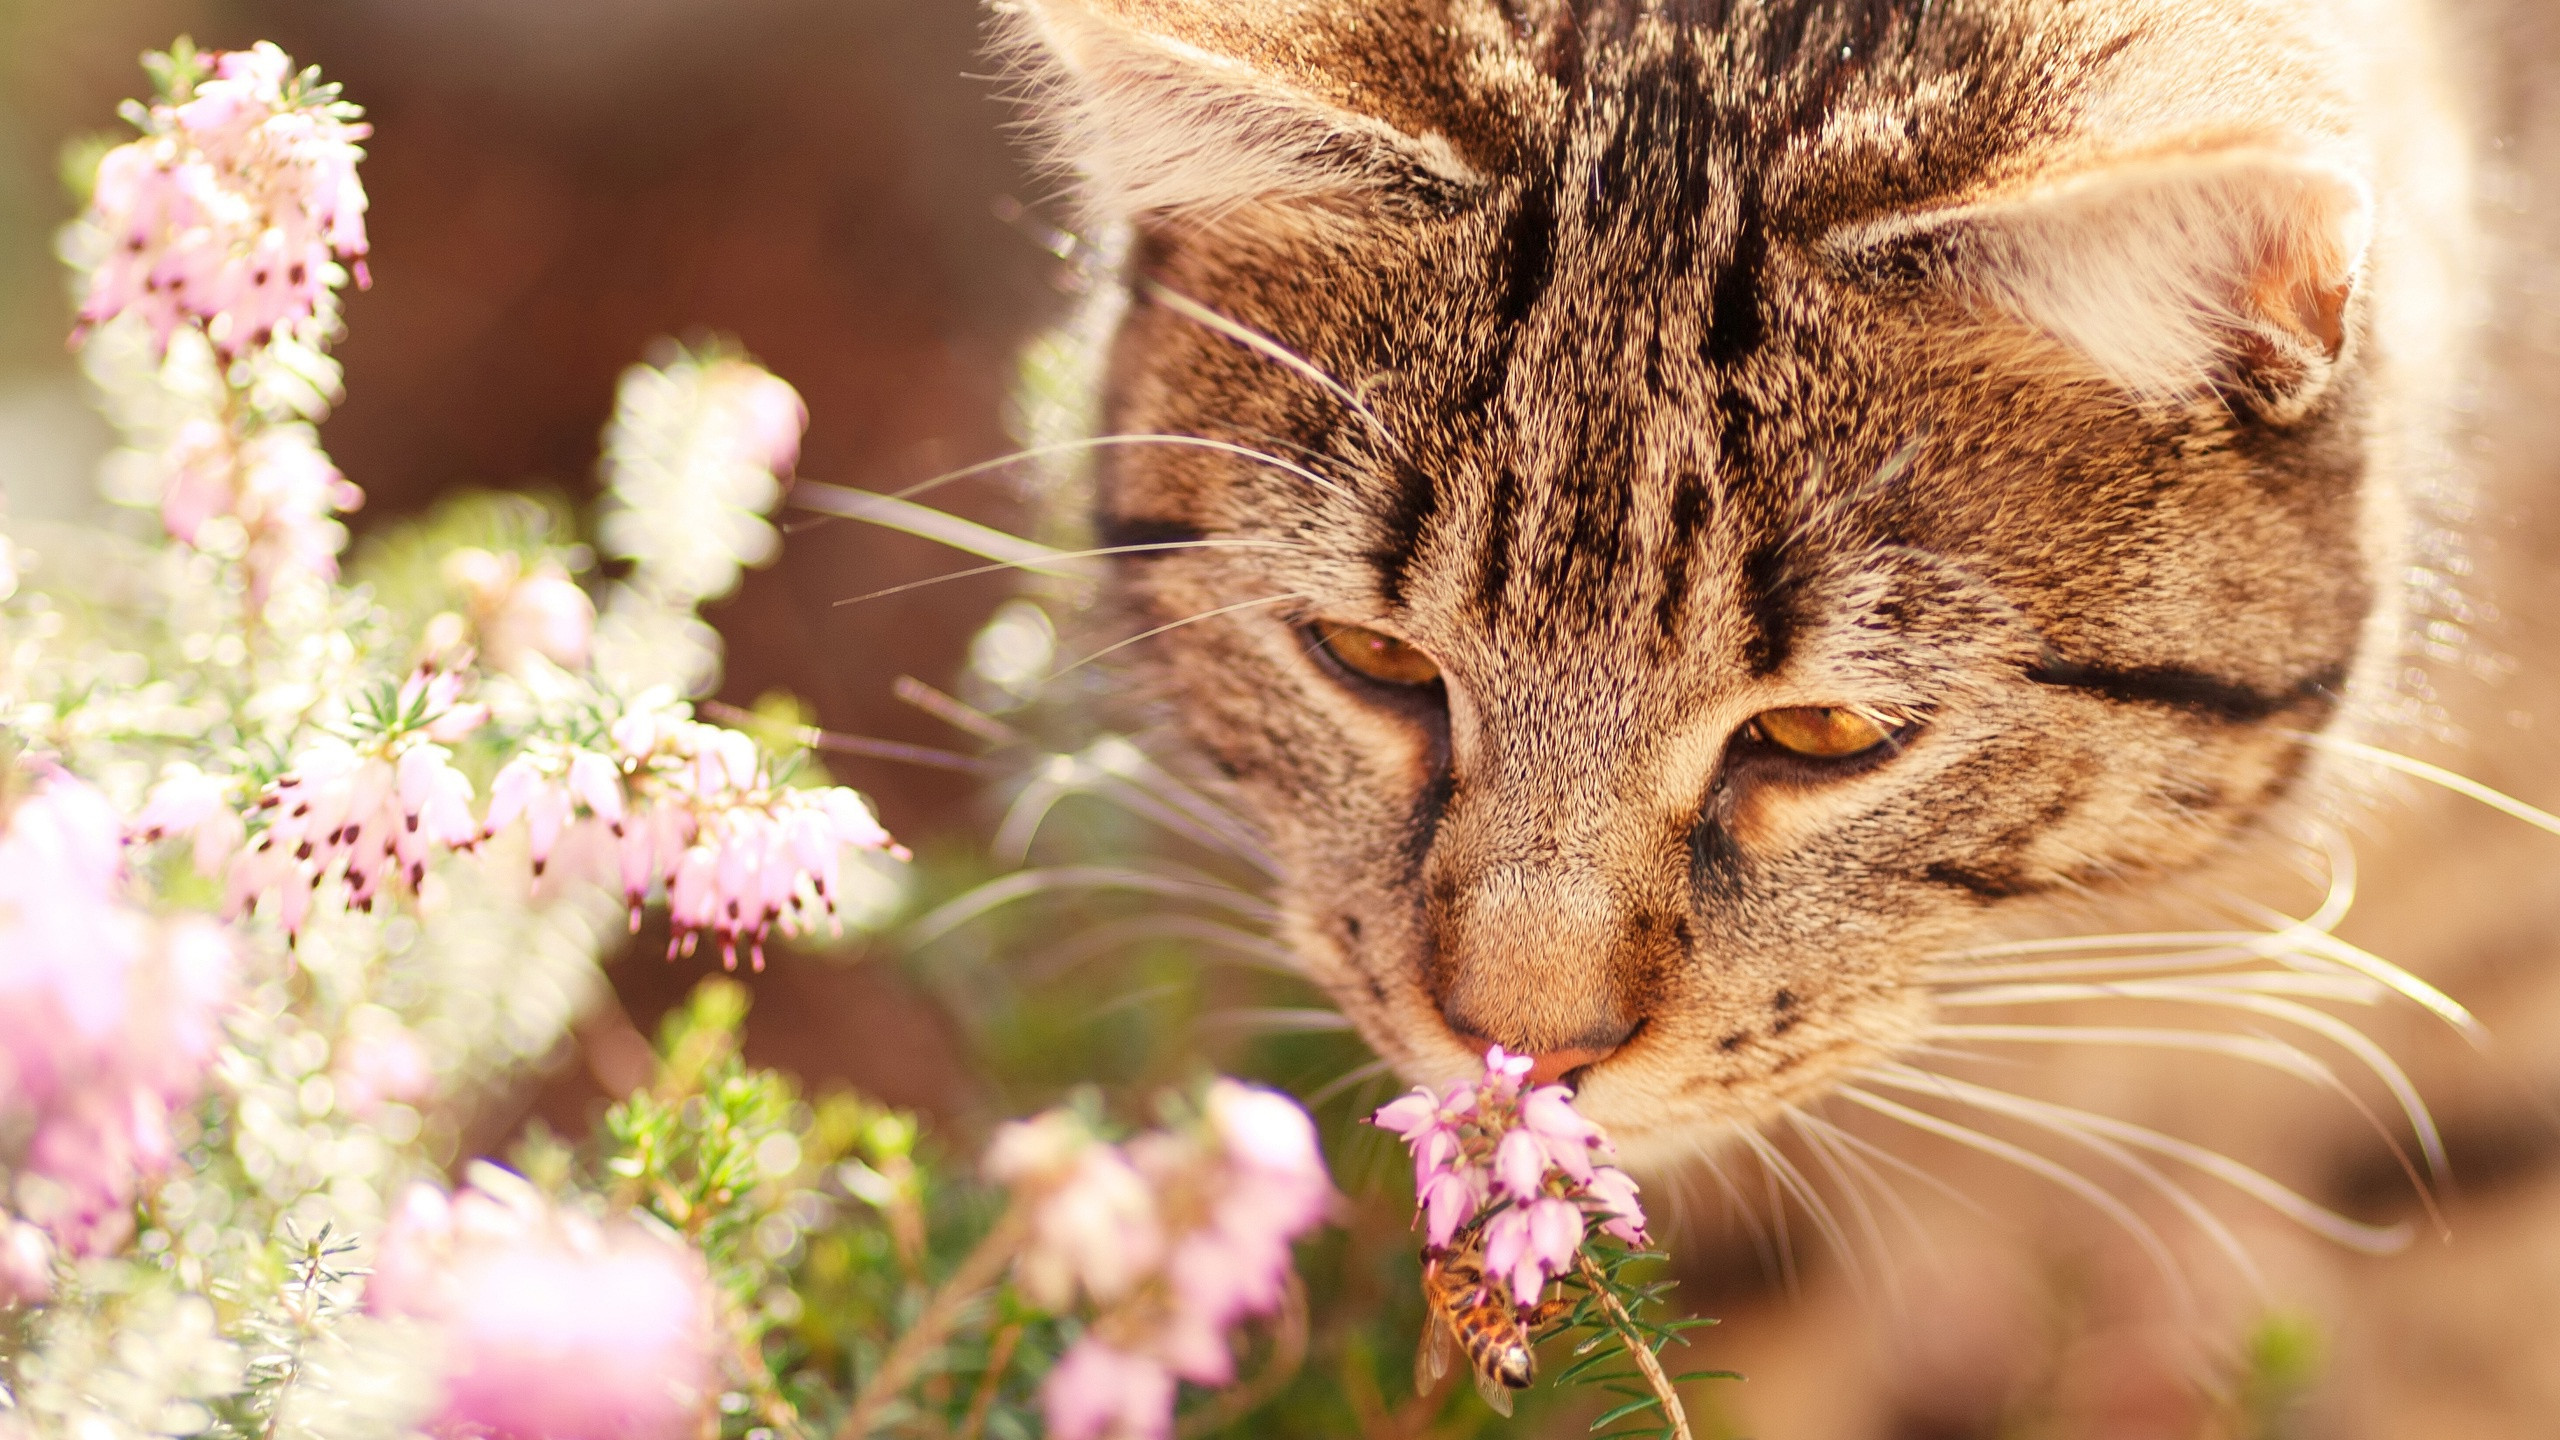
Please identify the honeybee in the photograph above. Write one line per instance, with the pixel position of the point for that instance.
(1470, 1311)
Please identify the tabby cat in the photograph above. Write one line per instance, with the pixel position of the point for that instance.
(1745, 497)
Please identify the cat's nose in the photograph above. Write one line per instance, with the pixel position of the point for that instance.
(1547, 1067)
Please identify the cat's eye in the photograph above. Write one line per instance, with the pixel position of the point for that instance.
(1378, 656)
(1825, 732)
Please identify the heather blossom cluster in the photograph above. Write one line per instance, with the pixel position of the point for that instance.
(220, 232)
(1171, 1239)
(236, 205)
(697, 809)
(1520, 1157)
(108, 1019)
(548, 1323)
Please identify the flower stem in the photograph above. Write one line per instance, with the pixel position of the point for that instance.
(1646, 1360)
(999, 1356)
(941, 1314)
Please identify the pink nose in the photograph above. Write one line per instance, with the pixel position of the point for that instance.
(1551, 1066)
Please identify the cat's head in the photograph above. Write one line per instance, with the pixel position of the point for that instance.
(1742, 501)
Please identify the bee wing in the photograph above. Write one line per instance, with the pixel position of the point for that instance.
(1431, 1357)
(1495, 1393)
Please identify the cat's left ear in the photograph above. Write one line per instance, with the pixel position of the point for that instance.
(1199, 109)
(2231, 271)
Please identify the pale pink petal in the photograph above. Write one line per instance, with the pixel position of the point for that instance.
(1447, 1204)
(1409, 1114)
(511, 791)
(1520, 1165)
(597, 782)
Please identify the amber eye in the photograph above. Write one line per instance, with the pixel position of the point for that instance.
(1825, 732)
(1382, 658)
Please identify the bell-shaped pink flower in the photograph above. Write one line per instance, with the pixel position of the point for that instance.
(108, 1021)
(1098, 1393)
(552, 1327)
(1520, 1165)
(1616, 1196)
(231, 211)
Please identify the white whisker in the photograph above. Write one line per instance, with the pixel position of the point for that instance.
(1778, 1223)
(1186, 822)
(2092, 1194)
(2364, 962)
(1257, 951)
(1057, 558)
(1005, 889)
(1841, 1146)
(1783, 1171)
(2177, 963)
(1134, 765)
(1269, 349)
(2256, 1049)
(2344, 989)
(1134, 999)
(2462, 785)
(1175, 625)
(2276, 1006)
(2252, 1048)
(1091, 442)
(1275, 1020)
(2246, 941)
(2285, 1201)
(1842, 1135)
(2063, 1122)
(1844, 1177)
(925, 522)
(1356, 1075)
(1740, 1208)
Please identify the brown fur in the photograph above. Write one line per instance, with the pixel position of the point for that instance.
(1720, 356)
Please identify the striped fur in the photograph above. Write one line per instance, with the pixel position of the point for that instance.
(2058, 373)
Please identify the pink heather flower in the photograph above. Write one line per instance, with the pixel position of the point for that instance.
(520, 617)
(370, 819)
(1448, 1201)
(378, 1062)
(201, 808)
(1098, 1393)
(1616, 1194)
(1520, 1165)
(1531, 1243)
(232, 210)
(26, 1264)
(739, 855)
(1491, 1139)
(107, 1021)
(1094, 1226)
(277, 484)
(553, 1327)
(1223, 1200)
(1097, 1232)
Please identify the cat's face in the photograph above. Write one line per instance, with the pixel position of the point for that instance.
(1725, 563)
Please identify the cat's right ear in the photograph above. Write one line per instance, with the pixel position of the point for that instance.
(1196, 110)
(2232, 271)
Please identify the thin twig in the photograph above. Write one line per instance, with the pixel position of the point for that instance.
(905, 1358)
(1288, 1352)
(999, 1355)
(953, 713)
(1646, 1360)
